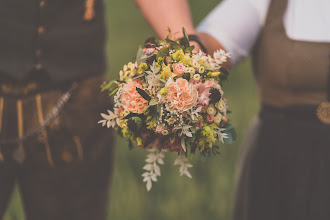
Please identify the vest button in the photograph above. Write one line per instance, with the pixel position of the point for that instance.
(38, 66)
(38, 52)
(41, 30)
(42, 3)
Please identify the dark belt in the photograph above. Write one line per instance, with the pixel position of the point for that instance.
(311, 113)
(307, 113)
(316, 113)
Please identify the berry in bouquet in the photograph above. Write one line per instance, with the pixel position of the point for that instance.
(171, 99)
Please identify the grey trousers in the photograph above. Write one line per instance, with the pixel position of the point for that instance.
(67, 167)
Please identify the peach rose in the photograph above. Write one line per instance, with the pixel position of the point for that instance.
(178, 69)
(181, 95)
(132, 100)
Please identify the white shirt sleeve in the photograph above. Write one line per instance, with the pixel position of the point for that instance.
(236, 25)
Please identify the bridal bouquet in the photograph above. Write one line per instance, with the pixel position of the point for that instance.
(171, 99)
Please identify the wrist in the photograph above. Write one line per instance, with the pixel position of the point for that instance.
(195, 38)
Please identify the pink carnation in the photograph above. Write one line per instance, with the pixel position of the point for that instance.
(181, 95)
(149, 51)
(210, 118)
(178, 69)
(132, 100)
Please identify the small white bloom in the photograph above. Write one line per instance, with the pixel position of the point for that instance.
(197, 77)
(121, 75)
(191, 70)
(201, 69)
(211, 110)
(217, 118)
(131, 65)
(125, 68)
(195, 64)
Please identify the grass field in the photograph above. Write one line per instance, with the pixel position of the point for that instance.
(209, 195)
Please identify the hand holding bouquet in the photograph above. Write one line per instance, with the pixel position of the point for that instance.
(171, 96)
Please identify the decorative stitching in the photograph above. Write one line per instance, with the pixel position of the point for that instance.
(43, 130)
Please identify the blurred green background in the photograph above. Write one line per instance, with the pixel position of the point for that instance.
(209, 195)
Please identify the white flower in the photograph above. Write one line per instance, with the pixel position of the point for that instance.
(153, 80)
(121, 74)
(131, 65)
(217, 118)
(195, 64)
(181, 161)
(211, 110)
(220, 56)
(221, 134)
(109, 120)
(125, 68)
(191, 70)
(197, 77)
(185, 129)
(194, 114)
(201, 69)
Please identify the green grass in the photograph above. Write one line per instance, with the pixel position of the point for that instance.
(209, 195)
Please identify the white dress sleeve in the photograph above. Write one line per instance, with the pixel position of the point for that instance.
(236, 25)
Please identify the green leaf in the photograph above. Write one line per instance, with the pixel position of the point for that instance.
(189, 49)
(231, 130)
(228, 140)
(108, 86)
(162, 52)
(183, 144)
(139, 76)
(130, 115)
(185, 38)
(143, 94)
(186, 76)
(172, 42)
(188, 150)
(159, 108)
(130, 145)
(140, 57)
(114, 92)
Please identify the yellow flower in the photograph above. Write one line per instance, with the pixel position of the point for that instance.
(142, 67)
(186, 59)
(178, 54)
(166, 72)
(126, 133)
(163, 91)
(139, 141)
(213, 74)
(171, 120)
(208, 137)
